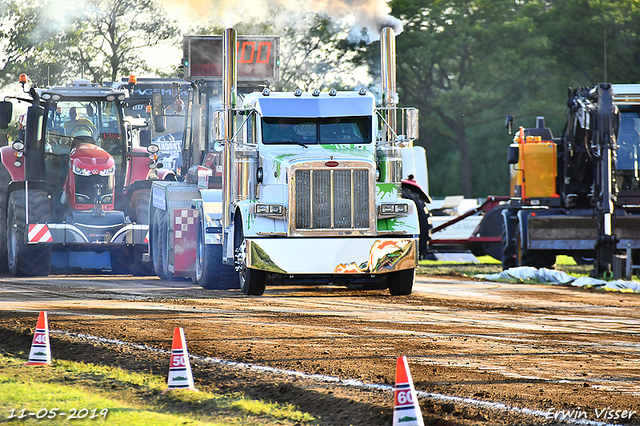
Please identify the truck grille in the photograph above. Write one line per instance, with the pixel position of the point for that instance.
(331, 199)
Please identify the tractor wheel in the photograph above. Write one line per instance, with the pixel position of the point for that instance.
(5, 178)
(423, 220)
(252, 281)
(401, 282)
(158, 235)
(536, 258)
(491, 226)
(211, 273)
(27, 260)
(139, 267)
(509, 255)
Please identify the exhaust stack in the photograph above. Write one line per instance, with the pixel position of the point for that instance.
(388, 66)
(229, 85)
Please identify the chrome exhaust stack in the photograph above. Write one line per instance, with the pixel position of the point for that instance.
(388, 67)
(388, 152)
(229, 94)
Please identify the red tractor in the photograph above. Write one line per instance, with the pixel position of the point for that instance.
(75, 185)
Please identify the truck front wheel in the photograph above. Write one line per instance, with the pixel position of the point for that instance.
(401, 282)
(27, 260)
(252, 281)
(211, 273)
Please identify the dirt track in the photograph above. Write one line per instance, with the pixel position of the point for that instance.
(532, 347)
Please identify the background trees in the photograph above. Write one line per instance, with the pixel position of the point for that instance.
(465, 64)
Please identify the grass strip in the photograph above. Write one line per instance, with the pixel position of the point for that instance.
(102, 395)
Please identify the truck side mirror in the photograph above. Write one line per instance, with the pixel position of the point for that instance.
(145, 137)
(513, 154)
(411, 123)
(157, 113)
(6, 111)
(509, 123)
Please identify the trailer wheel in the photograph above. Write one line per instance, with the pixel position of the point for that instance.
(423, 220)
(252, 281)
(27, 260)
(401, 282)
(211, 273)
(139, 267)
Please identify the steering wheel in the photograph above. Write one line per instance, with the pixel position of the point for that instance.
(82, 127)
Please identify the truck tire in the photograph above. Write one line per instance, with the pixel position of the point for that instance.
(211, 273)
(139, 267)
(27, 260)
(252, 281)
(158, 238)
(401, 282)
(491, 226)
(423, 220)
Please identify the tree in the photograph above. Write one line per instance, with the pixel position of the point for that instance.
(99, 38)
(463, 64)
(106, 43)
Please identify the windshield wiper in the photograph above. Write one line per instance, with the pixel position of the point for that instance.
(296, 142)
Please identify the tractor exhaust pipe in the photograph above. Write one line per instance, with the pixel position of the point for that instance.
(229, 85)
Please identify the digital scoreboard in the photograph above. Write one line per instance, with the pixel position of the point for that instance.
(258, 58)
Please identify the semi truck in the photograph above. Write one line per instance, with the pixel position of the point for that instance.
(287, 187)
(578, 194)
(75, 185)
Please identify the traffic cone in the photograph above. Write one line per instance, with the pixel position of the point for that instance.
(180, 376)
(40, 348)
(406, 410)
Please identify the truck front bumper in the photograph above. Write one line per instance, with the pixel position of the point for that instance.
(331, 255)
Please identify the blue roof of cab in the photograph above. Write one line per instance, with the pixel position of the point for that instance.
(286, 104)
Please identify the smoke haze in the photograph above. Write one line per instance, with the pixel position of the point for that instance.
(371, 15)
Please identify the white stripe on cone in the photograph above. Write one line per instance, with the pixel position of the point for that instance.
(40, 353)
(180, 376)
(406, 410)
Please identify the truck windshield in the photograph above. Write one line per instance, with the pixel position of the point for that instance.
(309, 131)
(628, 154)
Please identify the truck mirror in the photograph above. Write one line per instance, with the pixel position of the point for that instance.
(411, 123)
(157, 112)
(509, 123)
(6, 111)
(145, 137)
(513, 154)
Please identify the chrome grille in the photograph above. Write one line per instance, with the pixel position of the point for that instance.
(331, 199)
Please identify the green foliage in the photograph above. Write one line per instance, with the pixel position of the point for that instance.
(53, 41)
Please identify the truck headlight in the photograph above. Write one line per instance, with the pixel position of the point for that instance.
(393, 209)
(270, 210)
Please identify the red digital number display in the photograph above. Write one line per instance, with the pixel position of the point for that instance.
(257, 57)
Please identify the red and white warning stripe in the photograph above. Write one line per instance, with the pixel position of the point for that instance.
(39, 233)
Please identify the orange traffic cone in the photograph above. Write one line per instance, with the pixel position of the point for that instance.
(180, 376)
(406, 410)
(40, 348)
